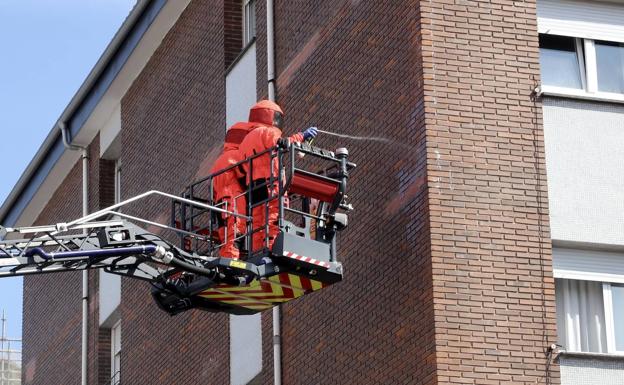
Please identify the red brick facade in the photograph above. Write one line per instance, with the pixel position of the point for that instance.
(354, 68)
(447, 257)
(232, 30)
(173, 121)
(52, 302)
(490, 243)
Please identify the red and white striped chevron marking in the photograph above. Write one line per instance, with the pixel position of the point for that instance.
(306, 259)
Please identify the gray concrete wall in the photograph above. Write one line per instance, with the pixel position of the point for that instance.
(587, 370)
(245, 331)
(585, 165)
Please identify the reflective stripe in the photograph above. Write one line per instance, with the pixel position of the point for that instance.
(306, 259)
(260, 295)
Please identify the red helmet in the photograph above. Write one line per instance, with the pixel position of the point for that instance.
(267, 112)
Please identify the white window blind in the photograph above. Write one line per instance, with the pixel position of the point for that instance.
(588, 265)
(584, 19)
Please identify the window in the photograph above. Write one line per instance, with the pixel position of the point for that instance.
(249, 21)
(560, 61)
(582, 67)
(590, 316)
(116, 354)
(580, 316)
(610, 66)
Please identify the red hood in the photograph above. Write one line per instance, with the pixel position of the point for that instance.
(236, 134)
(263, 112)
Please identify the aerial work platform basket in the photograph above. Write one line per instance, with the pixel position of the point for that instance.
(190, 272)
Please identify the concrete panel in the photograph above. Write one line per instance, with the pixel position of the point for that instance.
(245, 348)
(584, 160)
(110, 296)
(245, 331)
(109, 147)
(591, 370)
(240, 85)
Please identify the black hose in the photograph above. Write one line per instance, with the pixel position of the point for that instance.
(119, 251)
(190, 267)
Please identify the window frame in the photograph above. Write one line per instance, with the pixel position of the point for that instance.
(586, 56)
(115, 353)
(249, 33)
(580, 56)
(578, 50)
(595, 69)
(608, 316)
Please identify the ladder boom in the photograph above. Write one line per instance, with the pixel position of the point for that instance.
(55, 253)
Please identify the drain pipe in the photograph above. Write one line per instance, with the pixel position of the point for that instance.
(85, 276)
(277, 337)
(271, 49)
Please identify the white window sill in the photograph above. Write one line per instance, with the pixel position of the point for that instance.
(581, 94)
(619, 355)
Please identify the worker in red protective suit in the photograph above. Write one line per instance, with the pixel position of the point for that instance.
(228, 189)
(268, 119)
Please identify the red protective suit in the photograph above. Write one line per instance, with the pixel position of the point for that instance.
(267, 118)
(228, 192)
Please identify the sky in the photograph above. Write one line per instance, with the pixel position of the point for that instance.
(47, 49)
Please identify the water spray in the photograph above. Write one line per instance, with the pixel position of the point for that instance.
(366, 138)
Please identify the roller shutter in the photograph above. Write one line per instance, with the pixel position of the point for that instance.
(584, 19)
(588, 265)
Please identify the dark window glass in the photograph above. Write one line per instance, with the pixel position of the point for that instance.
(610, 66)
(559, 61)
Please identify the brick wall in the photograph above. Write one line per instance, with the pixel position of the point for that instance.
(106, 182)
(491, 256)
(173, 123)
(52, 309)
(354, 68)
(99, 338)
(103, 357)
(52, 302)
(232, 30)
